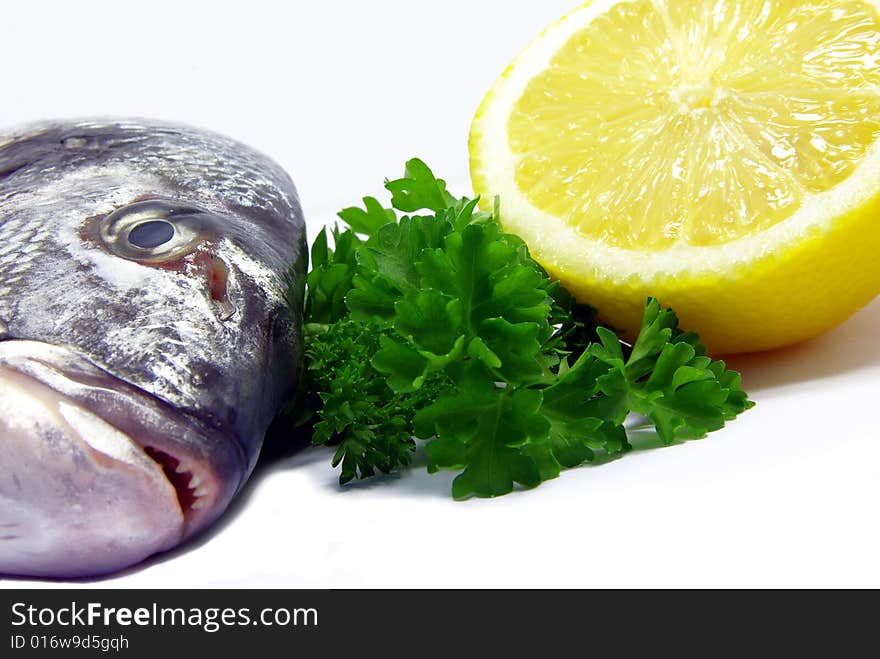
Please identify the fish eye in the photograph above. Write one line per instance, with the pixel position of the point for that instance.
(156, 231)
(151, 234)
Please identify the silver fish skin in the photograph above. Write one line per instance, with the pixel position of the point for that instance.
(146, 342)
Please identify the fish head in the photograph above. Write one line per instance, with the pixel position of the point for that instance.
(146, 335)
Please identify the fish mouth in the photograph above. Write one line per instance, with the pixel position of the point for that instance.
(96, 474)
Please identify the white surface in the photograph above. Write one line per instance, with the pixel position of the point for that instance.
(341, 93)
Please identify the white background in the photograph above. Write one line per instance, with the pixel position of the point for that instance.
(342, 93)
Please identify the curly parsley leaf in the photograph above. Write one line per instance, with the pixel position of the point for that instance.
(669, 379)
(419, 190)
(440, 326)
(369, 219)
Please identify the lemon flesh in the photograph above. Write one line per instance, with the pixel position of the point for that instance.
(721, 155)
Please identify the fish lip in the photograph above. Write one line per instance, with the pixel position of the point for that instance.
(205, 465)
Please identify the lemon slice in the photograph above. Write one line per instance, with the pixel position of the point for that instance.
(721, 155)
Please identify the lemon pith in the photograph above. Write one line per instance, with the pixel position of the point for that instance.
(720, 155)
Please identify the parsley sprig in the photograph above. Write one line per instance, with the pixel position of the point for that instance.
(426, 320)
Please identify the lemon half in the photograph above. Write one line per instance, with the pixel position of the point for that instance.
(719, 155)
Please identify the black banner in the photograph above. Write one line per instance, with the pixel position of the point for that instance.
(290, 623)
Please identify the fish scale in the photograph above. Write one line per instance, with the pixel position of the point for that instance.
(18, 245)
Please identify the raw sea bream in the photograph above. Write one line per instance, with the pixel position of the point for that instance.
(146, 341)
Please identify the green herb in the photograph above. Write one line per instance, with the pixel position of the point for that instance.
(426, 320)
